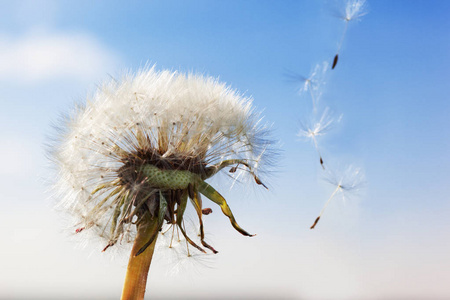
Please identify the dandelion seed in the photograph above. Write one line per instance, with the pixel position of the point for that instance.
(348, 182)
(335, 60)
(206, 211)
(313, 83)
(129, 160)
(354, 9)
(314, 128)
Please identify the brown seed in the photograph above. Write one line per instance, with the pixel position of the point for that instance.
(315, 222)
(206, 211)
(260, 182)
(335, 61)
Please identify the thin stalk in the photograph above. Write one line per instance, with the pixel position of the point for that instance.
(326, 204)
(318, 151)
(343, 36)
(336, 57)
(313, 98)
(138, 266)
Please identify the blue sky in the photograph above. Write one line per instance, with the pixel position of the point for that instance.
(390, 86)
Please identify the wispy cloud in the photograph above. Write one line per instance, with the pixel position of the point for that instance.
(39, 57)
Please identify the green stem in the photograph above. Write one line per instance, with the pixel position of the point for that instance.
(138, 266)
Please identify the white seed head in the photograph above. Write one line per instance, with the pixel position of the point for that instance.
(189, 121)
(354, 9)
(318, 125)
(348, 180)
(316, 78)
(314, 83)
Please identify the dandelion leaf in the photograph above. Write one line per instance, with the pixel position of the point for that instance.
(210, 171)
(197, 203)
(180, 211)
(217, 198)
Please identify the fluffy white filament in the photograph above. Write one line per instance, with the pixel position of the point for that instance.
(191, 115)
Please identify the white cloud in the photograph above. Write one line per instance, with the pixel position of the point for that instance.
(41, 57)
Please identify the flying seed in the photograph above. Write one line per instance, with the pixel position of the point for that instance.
(315, 222)
(335, 61)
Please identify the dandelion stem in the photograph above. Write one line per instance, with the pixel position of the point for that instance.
(313, 98)
(325, 206)
(138, 266)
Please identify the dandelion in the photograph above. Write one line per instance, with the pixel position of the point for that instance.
(314, 128)
(354, 9)
(130, 159)
(349, 181)
(313, 83)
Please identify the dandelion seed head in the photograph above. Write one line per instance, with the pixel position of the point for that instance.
(345, 182)
(354, 9)
(146, 141)
(350, 180)
(318, 124)
(313, 83)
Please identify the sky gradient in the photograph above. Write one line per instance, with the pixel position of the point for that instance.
(390, 241)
